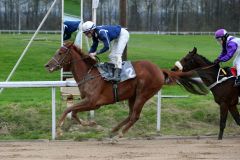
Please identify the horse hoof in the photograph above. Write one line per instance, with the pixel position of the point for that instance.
(120, 134)
(88, 123)
(59, 132)
(114, 140)
(92, 123)
(84, 123)
(112, 134)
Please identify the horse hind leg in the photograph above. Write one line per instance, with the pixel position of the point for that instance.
(235, 114)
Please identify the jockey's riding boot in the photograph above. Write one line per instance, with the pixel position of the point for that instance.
(116, 75)
(237, 81)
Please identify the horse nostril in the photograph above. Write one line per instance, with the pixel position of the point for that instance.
(46, 65)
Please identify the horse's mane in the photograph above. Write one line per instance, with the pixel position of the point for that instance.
(86, 58)
(205, 59)
(203, 71)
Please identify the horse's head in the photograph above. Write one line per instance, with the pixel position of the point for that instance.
(61, 57)
(191, 61)
(67, 55)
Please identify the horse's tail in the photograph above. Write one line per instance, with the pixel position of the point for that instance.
(186, 80)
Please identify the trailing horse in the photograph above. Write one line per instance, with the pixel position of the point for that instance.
(224, 92)
(96, 92)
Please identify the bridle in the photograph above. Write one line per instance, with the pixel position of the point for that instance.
(178, 64)
(61, 62)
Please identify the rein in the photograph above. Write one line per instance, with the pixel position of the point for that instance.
(61, 62)
(88, 77)
(207, 67)
(217, 80)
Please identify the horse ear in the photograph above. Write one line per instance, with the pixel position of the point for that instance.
(194, 50)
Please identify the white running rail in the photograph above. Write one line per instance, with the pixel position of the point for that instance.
(42, 84)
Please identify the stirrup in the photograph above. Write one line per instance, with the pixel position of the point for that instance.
(115, 79)
(237, 84)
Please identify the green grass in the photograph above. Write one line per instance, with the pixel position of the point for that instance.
(26, 113)
(31, 67)
(72, 7)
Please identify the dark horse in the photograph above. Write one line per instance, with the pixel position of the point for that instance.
(95, 91)
(225, 94)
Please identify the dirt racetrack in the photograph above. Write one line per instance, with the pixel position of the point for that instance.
(155, 149)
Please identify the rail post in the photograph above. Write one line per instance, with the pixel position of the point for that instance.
(53, 113)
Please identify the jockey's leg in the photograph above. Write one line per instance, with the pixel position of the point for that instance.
(116, 59)
(236, 63)
(116, 53)
(77, 41)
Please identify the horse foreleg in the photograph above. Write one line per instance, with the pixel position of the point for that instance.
(78, 120)
(125, 121)
(70, 109)
(223, 119)
(134, 116)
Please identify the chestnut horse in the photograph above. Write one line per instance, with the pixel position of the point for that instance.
(225, 94)
(95, 91)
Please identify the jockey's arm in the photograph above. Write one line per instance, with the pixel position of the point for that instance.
(66, 36)
(104, 38)
(228, 54)
(94, 45)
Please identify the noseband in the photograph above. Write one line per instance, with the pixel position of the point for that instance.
(180, 66)
(61, 62)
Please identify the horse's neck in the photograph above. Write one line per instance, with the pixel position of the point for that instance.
(208, 76)
(79, 67)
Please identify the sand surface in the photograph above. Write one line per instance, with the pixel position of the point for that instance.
(155, 149)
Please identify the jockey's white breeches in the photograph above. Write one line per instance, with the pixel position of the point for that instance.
(78, 38)
(236, 63)
(118, 47)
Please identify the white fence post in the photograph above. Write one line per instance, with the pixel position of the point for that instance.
(53, 113)
(159, 111)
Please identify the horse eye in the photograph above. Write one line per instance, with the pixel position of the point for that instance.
(59, 53)
(185, 60)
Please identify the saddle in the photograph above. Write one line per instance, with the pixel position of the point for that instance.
(106, 70)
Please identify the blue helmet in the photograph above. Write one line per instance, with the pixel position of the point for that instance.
(220, 33)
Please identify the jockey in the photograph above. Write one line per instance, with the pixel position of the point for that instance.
(106, 34)
(230, 47)
(69, 28)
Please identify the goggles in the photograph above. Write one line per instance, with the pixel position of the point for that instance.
(87, 32)
(219, 39)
